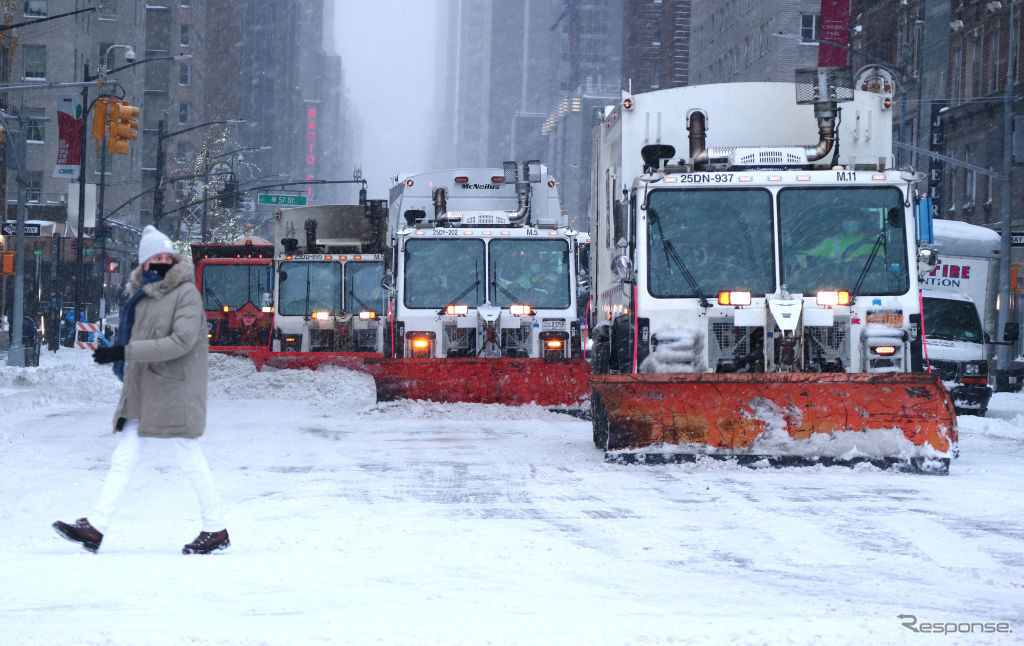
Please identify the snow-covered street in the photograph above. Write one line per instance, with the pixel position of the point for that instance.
(421, 523)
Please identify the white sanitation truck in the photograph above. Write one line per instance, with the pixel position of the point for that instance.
(959, 299)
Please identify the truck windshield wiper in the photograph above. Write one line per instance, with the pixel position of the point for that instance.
(506, 293)
(671, 255)
(209, 292)
(867, 266)
(462, 294)
(359, 301)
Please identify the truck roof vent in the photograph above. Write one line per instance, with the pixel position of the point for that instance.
(777, 157)
(479, 218)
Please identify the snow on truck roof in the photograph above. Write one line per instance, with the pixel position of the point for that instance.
(962, 238)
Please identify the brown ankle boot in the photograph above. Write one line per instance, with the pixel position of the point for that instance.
(80, 532)
(208, 542)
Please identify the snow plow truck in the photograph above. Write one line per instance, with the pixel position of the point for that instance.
(236, 283)
(328, 299)
(757, 281)
(483, 277)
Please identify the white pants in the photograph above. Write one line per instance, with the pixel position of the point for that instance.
(126, 458)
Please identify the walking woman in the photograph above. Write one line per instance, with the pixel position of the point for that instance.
(161, 356)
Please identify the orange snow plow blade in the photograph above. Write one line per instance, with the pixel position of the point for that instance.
(903, 421)
(546, 382)
(362, 361)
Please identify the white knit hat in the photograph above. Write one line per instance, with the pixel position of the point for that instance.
(152, 243)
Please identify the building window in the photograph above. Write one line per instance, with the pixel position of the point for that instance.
(184, 113)
(35, 131)
(954, 88)
(185, 74)
(987, 183)
(107, 60)
(993, 60)
(186, 35)
(35, 8)
(976, 67)
(34, 185)
(186, 3)
(809, 27)
(108, 9)
(953, 174)
(35, 61)
(970, 178)
(184, 150)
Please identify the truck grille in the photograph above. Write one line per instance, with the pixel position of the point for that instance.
(458, 341)
(947, 370)
(828, 343)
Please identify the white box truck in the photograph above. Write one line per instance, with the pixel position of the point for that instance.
(959, 303)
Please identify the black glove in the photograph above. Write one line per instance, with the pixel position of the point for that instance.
(108, 355)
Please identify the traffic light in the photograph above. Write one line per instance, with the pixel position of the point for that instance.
(123, 128)
(112, 267)
(229, 194)
(99, 119)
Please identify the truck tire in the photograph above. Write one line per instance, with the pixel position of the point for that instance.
(600, 359)
(599, 421)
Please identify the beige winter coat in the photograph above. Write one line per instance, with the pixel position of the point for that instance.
(165, 370)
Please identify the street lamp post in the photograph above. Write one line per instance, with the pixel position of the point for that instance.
(129, 56)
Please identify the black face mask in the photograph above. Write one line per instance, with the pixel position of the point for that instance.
(161, 268)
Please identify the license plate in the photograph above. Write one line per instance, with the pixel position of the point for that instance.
(894, 319)
(552, 325)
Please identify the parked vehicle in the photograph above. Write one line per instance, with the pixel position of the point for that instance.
(959, 304)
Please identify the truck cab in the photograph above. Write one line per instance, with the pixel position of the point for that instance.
(956, 349)
(329, 264)
(482, 266)
(236, 282)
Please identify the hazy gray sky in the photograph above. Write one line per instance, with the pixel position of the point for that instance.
(387, 49)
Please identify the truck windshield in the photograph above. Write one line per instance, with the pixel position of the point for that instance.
(951, 320)
(233, 285)
(440, 272)
(829, 235)
(529, 272)
(307, 287)
(701, 242)
(362, 287)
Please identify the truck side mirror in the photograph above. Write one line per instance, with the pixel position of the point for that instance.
(387, 282)
(926, 261)
(1011, 332)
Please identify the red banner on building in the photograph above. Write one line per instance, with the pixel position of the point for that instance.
(69, 143)
(835, 28)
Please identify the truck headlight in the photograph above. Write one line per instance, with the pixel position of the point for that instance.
(553, 344)
(734, 298)
(321, 316)
(419, 344)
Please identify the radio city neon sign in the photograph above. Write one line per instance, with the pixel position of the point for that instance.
(310, 153)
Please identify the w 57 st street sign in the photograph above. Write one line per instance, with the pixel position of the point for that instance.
(281, 200)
